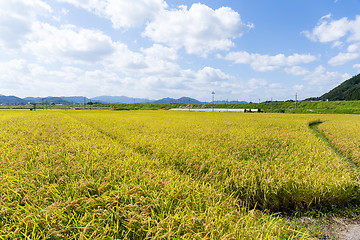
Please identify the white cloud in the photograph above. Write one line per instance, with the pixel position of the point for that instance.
(343, 58)
(211, 75)
(15, 65)
(337, 31)
(123, 14)
(329, 30)
(160, 52)
(354, 47)
(16, 19)
(68, 43)
(298, 87)
(29, 79)
(353, 52)
(255, 88)
(254, 83)
(320, 76)
(338, 44)
(156, 60)
(200, 29)
(124, 72)
(357, 66)
(265, 63)
(296, 71)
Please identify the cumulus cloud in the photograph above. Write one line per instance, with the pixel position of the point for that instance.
(212, 75)
(343, 58)
(30, 78)
(265, 63)
(123, 14)
(353, 52)
(296, 71)
(255, 88)
(254, 84)
(16, 19)
(330, 30)
(200, 29)
(154, 61)
(357, 66)
(68, 43)
(320, 76)
(185, 82)
(160, 52)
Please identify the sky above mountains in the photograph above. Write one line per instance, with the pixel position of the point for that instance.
(242, 50)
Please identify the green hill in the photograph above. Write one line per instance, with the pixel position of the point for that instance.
(348, 90)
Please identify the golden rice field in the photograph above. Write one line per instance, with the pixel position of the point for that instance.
(344, 133)
(167, 175)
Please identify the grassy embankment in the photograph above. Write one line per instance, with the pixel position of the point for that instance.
(276, 107)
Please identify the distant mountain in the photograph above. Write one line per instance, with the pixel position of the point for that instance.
(10, 100)
(348, 90)
(179, 100)
(46, 100)
(76, 100)
(119, 99)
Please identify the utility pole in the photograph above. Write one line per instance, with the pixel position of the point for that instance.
(213, 99)
(295, 100)
(271, 104)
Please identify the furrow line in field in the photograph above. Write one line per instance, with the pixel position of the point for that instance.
(345, 229)
(314, 126)
(112, 136)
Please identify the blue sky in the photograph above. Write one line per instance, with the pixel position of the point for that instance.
(243, 50)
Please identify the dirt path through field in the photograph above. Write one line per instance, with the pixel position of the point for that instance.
(344, 231)
(352, 232)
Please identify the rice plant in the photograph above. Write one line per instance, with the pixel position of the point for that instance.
(111, 175)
